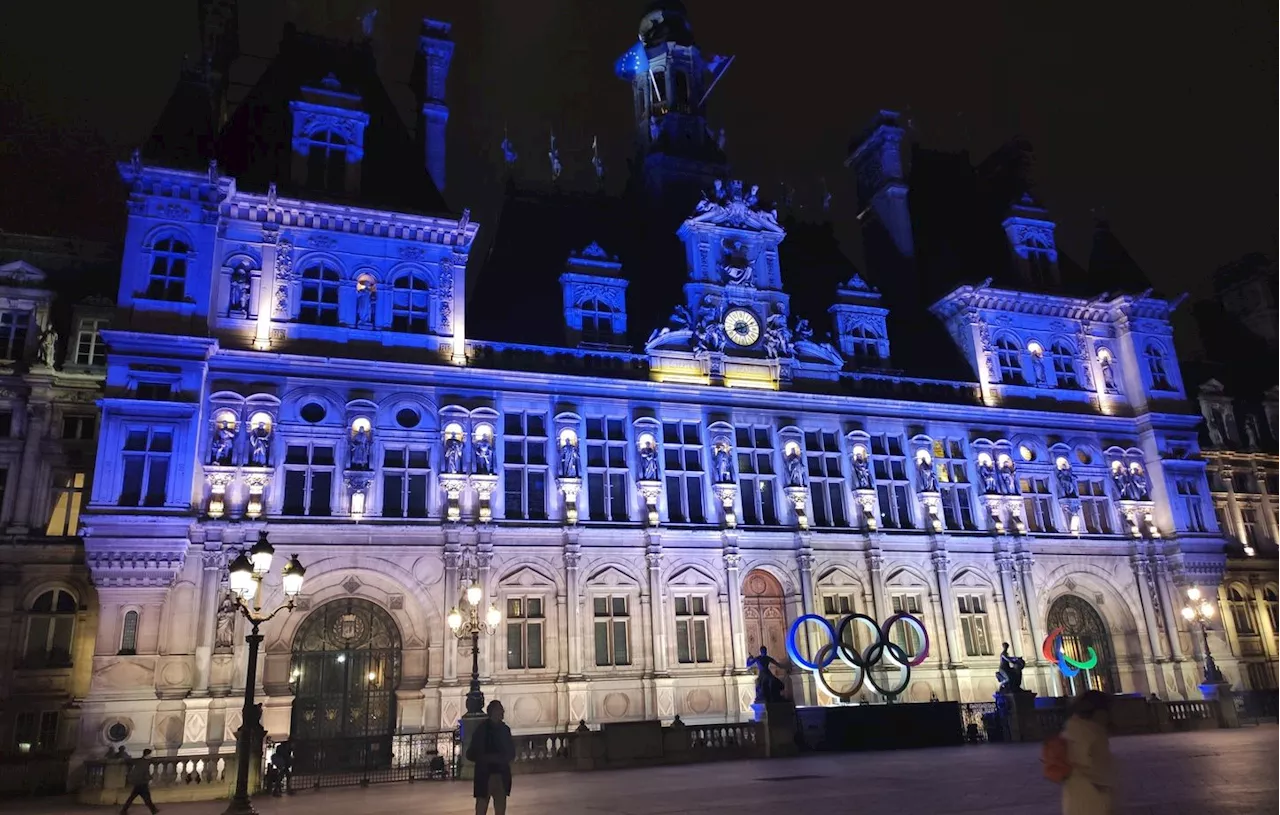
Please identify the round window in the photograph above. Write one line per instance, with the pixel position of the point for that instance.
(312, 412)
(408, 418)
(118, 731)
(1082, 456)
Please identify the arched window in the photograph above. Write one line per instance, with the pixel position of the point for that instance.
(326, 161)
(866, 343)
(1156, 365)
(597, 321)
(318, 304)
(1273, 603)
(410, 305)
(51, 621)
(168, 277)
(1064, 365)
(1039, 263)
(129, 634)
(1241, 612)
(1009, 355)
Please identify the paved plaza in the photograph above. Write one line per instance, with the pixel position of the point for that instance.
(1210, 773)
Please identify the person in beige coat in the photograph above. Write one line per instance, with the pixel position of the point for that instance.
(1087, 791)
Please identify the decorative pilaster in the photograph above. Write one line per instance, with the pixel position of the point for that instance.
(1141, 572)
(357, 484)
(1163, 580)
(452, 559)
(799, 496)
(657, 618)
(865, 501)
(733, 580)
(573, 635)
(570, 488)
(875, 565)
(931, 502)
(218, 478)
(214, 563)
(38, 414)
(941, 573)
(453, 485)
(1004, 565)
(727, 495)
(484, 558)
(1138, 519)
(255, 484)
(1025, 563)
(651, 491)
(484, 485)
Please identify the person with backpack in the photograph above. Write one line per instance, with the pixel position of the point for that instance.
(139, 779)
(1079, 757)
(492, 750)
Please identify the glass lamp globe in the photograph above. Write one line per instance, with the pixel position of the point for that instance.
(1188, 613)
(1206, 610)
(492, 617)
(261, 553)
(240, 576)
(455, 620)
(1193, 593)
(474, 594)
(292, 576)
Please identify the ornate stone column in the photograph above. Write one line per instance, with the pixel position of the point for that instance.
(733, 585)
(875, 566)
(1141, 570)
(657, 617)
(484, 555)
(1030, 598)
(1004, 566)
(573, 608)
(941, 569)
(211, 582)
(452, 557)
(38, 414)
(1164, 580)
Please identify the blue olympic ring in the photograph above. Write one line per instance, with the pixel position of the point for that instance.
(860, 662)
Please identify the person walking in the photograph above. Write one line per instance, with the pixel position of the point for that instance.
(139, 779)
(1088, 788)
(492, 750)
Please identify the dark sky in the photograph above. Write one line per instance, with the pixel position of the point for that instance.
(1164, 114)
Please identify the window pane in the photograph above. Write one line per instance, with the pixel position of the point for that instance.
(534, 644)
(515, 654)
(620, 656)
(682, 641)
(602, 643)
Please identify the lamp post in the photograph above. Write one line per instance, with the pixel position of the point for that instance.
(245, 577)
(470, 625)
(1200, 610)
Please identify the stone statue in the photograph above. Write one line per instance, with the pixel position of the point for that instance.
(273, 196)
(861, 472)
(1120, 478)
(483, 450)
(928, 478)
(48, 345)
(1037, 366)
(777, 336)
(260, 445)
(648, 463)
(1108, 374)
(569, 458)
(739, 275)
(795, 467)
(1067, 487)
(654, 128)
(987, 474)
(1251, 434)
(803, 331)
(768, 686)
(224, 437)
(554, 156)
(1008, 478)
(722, 460)
(361, 441)
(1138, 489)
(365, 295)
(453, 455)
(1010, 673)
(224, 633)
(239, 299)
(509, 154)
(595, 159)
(720, 139)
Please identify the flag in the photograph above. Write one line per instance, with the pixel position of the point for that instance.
(716, 65)
(633, 63)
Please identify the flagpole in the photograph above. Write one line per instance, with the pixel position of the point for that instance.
(721, 73)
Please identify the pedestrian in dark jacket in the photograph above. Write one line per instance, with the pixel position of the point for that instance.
(139, 778)
(492, 750)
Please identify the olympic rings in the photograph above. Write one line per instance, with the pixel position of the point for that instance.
(1053, 651)
(860, 662)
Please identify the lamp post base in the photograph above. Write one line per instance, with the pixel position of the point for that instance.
(469, 723)
(240, 807)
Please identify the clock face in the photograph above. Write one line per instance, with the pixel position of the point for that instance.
(742, 326)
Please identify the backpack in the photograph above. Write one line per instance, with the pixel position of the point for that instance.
(1053, 755)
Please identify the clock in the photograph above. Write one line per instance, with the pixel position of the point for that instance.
(742, 326)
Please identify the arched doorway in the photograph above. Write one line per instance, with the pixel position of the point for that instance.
(764, 615)
(1083, 628)
(344, 673)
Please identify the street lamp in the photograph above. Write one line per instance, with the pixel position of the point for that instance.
(1200, 611)
(245, 576)
(470, 625)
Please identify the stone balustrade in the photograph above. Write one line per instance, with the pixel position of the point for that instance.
(173, 779)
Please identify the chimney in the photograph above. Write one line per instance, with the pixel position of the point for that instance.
(435, 51)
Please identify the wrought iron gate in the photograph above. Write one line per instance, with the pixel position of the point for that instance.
(1082, 629)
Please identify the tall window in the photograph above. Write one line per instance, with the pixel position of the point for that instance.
(90, 349)
(682, 451)
(973, 625)
(524, 465)
(318, 304)
(78, 428)
(1039, 263)
(835, 607)
(1009, 354)
(1095, 506)
(146, 466)
(906, 637)
(597, 321)
(524, 633)
(1037, 504)
(756, 480)
(607, 469)
(326, 161)
(405, 473)
(865, 344)
(1064, 365)
(611, 629)
(1249, 518)
(693, 644)
(410, 304)
(1157, 367)
(14, 326)
(1189, 490)
(129, 634)
(35, 732)
(168, 278)
(1241, 613)
(1273, 604)
(68, 493)
(826, 478)
(953, 483)
(889, 464)
(308, 480)
(51, 620)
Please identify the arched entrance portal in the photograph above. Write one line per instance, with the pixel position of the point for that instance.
(1082, 629)
(764, 615)
(344, 673)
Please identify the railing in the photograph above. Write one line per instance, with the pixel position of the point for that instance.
(38, 774)
(1192, 715)
(173, 778)
(1051, 719)
(1255, 706)
(543, 752)
(433, 755)
(724, 740)
(981, 722)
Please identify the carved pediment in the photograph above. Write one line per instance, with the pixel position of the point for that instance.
(690, 576)
(21, 273)
(611, 576)
(732, 207)
(526, 578)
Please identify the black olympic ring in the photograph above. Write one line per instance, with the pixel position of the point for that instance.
(860, 662)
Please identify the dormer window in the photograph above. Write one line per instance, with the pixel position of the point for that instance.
(1064, 365)
(90, 349)
(14, 327)
(864, 343)
(597, 321)
(1039, 263)
(410, 304)
(168, 277)
(326, 161)
(318, 304)
(1157, 368)
(1009, 355)
(328, 138)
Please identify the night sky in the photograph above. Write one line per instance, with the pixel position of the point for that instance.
(1164, 115)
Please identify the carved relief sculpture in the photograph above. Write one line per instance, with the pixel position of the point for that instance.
(224, 633)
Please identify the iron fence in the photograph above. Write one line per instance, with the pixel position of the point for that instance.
(981, 722)
(1255, 706)
(360, 761)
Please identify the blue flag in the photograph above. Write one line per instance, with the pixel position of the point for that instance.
(633, 63)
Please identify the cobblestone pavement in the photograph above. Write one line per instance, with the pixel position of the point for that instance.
(1210, 773)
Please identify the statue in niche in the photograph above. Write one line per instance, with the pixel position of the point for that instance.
(1008, 478)
(654, 128)
(737, 266)
(1251, 434)
(569, 457)
(1010, 672)
(1108, 373)
(48, 345)
(366, 294)
(648, 462)
(987, 474)
(1037, 367)
(795, 466)
(224, 437)
(453, 455)
(224, 632)
(1120, 478)
(861, 471)
(239, 299)
(554, 156)
(768, 686)
(722, 461)
(260, 445)
(928, 478)
(483, 450)
(361, 442)
(1138, 489)
(1067, 486)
